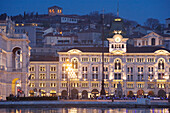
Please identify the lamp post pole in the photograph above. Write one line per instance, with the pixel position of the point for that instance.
(102, 92)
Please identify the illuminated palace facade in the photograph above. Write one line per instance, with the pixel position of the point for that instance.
(78, 71)
(14, 62)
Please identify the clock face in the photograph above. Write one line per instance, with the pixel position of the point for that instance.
(117, 39)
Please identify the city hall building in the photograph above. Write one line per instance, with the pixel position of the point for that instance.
(141, 70)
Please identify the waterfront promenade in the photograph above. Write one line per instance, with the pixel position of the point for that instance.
(86, 103)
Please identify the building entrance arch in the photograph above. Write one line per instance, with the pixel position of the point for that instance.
(74, 94)
(161, 93)
(84, 94)
(64, 94)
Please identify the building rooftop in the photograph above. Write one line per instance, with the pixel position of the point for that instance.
(130, 49)
(55, 7)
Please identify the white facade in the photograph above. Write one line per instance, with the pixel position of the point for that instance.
(14, 62)
(140, 73)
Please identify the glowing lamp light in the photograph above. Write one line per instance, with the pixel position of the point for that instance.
(124, 78)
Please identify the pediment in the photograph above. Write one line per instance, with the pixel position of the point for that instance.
(161, 52)
(74, 51)
(117, 52)
(152, 34)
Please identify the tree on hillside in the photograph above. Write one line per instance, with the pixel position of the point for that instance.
(152, 23)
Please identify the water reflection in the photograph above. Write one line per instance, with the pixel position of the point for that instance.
(84, 110)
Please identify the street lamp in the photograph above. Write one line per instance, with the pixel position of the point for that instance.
(70, 75)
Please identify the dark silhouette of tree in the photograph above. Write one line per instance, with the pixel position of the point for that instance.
(3, 16)
(152, 23)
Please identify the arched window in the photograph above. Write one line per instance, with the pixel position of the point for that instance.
(161, 64)
(112, 46)
(74, 64)
(17, 58)
(117, 64)
(153, 41)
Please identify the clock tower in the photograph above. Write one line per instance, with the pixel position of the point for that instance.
(117, 44)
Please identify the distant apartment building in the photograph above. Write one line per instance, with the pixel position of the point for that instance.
(89, 37)
(33, 31)
(55, 10)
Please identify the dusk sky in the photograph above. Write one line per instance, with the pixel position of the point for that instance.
(138, 10)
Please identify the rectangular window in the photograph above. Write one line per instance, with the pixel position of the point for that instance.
(130, 86)
(42, 85)
(130, 60)
(42, 76)
(106, 59)
(32, 68)
(84, 59)
(140, 60)
(32, 85)
(95, 59)
(53, 85)
(32, 76)
(84, 84)
(63, 59)
(42, 68)
(150, 59)
(94, 84)
(52, 76)
(63, 84)
(52, 68)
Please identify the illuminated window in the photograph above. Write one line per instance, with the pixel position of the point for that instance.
(95, 85)
(53, 11)
(95, 59)
(106, 59)
(32, 76)
(42, 76)
(106, 85)
(63, 84)
(140, 85)
(32, 85)
(42, 85)
(53, 85)
(161, 64)
(140, 60)
(52, 68)
(84, 59)
(84, 85)
(150, 59)
(74, 64)
(63, 59)
(130, 60)
(130, 86)
(74, 85)
(52, 76)
(42, 68)
(50, 10)
(117, 64)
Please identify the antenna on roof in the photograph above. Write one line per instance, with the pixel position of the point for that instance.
(117, 8)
